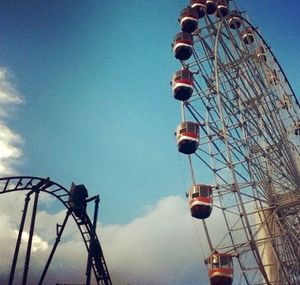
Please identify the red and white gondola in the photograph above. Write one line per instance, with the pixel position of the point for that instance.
(183, 46)
(211, 6)
(200, 5)
(189, 19)
(234, 20)
(222, 8)
(220, 268)
(200, 201)
(187, 137)
(182, 84)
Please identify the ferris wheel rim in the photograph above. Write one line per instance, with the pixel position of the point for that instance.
(255, 29)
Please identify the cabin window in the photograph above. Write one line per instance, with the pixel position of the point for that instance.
(183, 74)
(188, 127)
(187, 75)
(204, 192)
(183, 130)
(192, 128)
(225, 261)
(177, 76)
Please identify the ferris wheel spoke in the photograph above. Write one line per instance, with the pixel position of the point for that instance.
(220, 177)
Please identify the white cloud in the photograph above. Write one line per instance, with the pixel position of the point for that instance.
(8, 93)
(159, 248)
(10, 151)
(37, 242)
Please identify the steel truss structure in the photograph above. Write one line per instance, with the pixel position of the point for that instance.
(249, 141)
(33, 186)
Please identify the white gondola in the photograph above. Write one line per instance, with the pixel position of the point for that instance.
(200, 201)
(285, 102)
(220, 268)
(200, 5)
(297, 128)
(274, 77)
(189, 19)
(248, 36)
(234, 20)
(182, 85)
(261, 54)
(187, 137)
(183, 46)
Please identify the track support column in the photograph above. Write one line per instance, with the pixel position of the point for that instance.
(60, 230)
(31, 231)
(16, 254)
(92, 241)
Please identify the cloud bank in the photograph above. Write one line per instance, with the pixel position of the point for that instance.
(158, 248)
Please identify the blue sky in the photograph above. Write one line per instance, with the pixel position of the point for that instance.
(97, 104)
(95, 80)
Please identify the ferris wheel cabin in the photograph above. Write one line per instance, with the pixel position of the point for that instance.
(274, 77)
(187, 137)
(261, 54)
(211, 6)
(200, 201)
(285, 102)
(183, 46)
(248, 36)
(182, 84)
(222, 8)
(220, 268)
(297, 128)
(189, 19)
(200, 5)
(234, 20)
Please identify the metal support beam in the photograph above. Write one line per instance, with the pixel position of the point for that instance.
(59, 234)
(16, 254)
(92, 240)
(31, 231)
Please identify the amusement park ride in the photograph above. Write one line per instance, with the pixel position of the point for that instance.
(240, 121)
(75, 202)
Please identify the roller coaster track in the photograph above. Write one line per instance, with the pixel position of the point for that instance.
(29, 183)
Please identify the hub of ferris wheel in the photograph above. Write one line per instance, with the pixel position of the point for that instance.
(239, 121)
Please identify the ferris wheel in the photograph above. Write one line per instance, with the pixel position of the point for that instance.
(240, 121)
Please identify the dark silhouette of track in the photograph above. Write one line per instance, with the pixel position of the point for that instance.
(85, 226)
